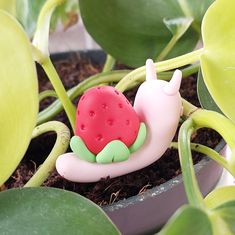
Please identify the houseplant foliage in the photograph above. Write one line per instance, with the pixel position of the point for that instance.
(120, 24)
(212, 215)
(19, 112)
(27, 13)
(8, 6)
(56, 207)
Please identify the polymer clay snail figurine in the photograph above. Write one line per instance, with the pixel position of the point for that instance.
(113, 139)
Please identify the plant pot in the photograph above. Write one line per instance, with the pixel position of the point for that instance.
(147, 212)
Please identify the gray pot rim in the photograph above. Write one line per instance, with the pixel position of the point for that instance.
(157, 190)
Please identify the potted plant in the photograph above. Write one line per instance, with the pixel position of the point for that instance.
(213, 65)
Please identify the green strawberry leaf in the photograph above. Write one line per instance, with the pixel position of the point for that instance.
(51, 211)
(18, 95)
(115, 151)
(80, 149)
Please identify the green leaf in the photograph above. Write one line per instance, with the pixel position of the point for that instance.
(18, 94)
(51, 211)
(204, 96)
(178, 26)
(28, 12)
(218, 59)
(224, 218)
(188, 220)
(67, 13)
(9, 6)
(134, 31)
(222, 201)
(195, 10)
(220, 196)
(41, 36)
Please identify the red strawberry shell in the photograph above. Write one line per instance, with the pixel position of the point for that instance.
(103, 115)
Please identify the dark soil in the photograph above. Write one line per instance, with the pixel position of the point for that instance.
(107, 190)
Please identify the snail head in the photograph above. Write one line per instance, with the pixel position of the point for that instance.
(172, 87)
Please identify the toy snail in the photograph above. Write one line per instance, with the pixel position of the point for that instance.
(113, 138)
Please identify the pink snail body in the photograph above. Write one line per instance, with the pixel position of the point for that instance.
(158, 105)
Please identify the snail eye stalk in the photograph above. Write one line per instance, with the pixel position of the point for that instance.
(150, 70)
(173, 86)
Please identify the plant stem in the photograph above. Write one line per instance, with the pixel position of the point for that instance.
(61, 145)
(160, 67)
(216, 121)
(41, 35)
(47, 93)
(167, 48)
(207, 152)
(190, 183)
(186, 72)
(198, 119)
(109, 63)
(60, 90)
(190, 70)
(188, 108)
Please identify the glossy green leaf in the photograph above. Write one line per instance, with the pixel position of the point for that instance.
(132, 31)
(178, 26)
(18, 94)
(41, 36)
(204, 96)
(67, 13)
(195, 10)
(220, 196)
(9, 6)
(51, 211)
(218, 59)
(188, 220)
(224, 218)
(28, 12)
